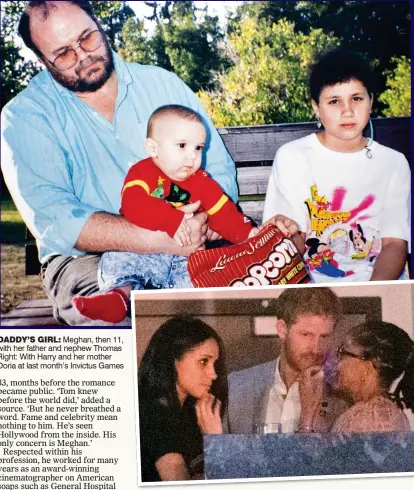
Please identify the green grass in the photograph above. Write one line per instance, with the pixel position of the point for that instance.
(16, 287)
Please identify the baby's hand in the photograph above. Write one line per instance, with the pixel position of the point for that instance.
(253, 232)
(183, 234)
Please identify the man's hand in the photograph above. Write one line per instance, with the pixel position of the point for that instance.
(104, 231)
(208, 418)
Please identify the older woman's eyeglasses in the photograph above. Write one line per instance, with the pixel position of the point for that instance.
(68, 59)
(341, 353)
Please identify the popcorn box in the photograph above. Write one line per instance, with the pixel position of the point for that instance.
(267, 258)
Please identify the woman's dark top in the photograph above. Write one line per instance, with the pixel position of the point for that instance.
(164, 430)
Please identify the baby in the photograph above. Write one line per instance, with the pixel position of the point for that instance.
(153, 192)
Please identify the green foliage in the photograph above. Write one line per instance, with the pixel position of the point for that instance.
(397, 97)
(186, 41)
(15, 71)
(269, 80)
(258, 75)
(136, 46)
(112, 16)
(378, 29)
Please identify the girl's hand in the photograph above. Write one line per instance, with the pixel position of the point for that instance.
(208, 414)
(286, 225)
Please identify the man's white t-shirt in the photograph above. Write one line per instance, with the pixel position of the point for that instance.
(344, 202)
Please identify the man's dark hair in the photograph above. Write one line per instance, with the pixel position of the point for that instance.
(45, 6)
(312, 301)
(157, 378)
(339, 66)
(172, 110)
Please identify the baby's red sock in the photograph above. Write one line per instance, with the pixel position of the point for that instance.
(110, 307)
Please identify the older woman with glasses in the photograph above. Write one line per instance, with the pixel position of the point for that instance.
(375, 372)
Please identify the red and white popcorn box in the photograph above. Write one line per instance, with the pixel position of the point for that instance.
(267, 258)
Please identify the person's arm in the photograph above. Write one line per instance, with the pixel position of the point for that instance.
(391, 260)
(38, 176)
(144, 210)
(216, 159)
(289, 228)
(394, 224)
(172, 467)
(223, 215)
(104, 231)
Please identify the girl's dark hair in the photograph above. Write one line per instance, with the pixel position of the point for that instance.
(339, 66)
(392, 351)
(45, 6)
(157, 377)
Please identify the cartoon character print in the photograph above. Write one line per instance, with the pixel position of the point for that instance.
(363, 249)
(177, 197)
(321, 258)
(341, 230)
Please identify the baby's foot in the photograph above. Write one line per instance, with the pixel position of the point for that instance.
(110, 307)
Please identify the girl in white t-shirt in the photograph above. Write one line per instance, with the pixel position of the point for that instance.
(348, 194)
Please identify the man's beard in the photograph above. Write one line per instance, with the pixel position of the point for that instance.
(301, 362)
(79, 84)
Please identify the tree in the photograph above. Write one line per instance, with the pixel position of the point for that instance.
(15, 70)
(397, 97)
(186, 41)
(379, 30)
(269, 80)
(137, 47)
(112, 16)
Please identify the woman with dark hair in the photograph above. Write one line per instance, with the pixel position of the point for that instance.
(182, 386)
(375, 371)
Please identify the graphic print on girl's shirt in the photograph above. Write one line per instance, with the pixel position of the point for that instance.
(338, 243)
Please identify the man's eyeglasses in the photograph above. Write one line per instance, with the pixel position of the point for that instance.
(341, 353)
(68, 59)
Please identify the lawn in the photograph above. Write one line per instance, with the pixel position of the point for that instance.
(15, 285)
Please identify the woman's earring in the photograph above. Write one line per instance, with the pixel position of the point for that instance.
(318, 124)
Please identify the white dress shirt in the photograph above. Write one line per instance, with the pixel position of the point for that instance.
(283, 406)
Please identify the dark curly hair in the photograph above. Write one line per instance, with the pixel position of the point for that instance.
(339, 66)
(45, 6)
(157, 377)
(391, 350)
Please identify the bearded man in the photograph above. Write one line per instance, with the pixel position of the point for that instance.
(270, 393)
(69, 139)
